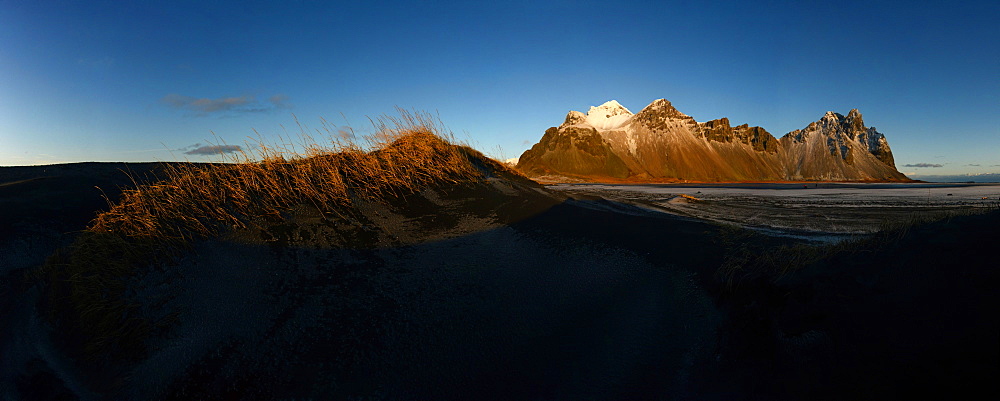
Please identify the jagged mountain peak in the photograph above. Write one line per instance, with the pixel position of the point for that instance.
(855, 121)
(658, 112)
(832, 116)
(574, 117)
(841, 134)
(852, 116)
(836, 123)
(832, 123)
(660, 105)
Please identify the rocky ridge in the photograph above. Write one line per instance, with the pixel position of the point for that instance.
(662, 143)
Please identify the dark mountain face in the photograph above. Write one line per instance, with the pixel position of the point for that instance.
(661, 143)
(575, 151)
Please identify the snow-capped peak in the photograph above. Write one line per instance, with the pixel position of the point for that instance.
(662, 108)
(611, 104)
(607, 116)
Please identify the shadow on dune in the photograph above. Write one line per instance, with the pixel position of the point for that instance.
(523, 311)
(42, 208)
(512, 292)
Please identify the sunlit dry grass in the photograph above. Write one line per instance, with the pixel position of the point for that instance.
(408, 153)
(150, 225)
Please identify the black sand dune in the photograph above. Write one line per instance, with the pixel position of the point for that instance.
(43, 207)
(501, 289)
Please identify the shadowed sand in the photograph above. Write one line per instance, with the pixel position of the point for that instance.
(42, 206)
(505, 289)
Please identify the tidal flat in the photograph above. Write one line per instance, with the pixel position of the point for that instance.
(815, 211)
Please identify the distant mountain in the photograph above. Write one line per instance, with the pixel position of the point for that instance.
(660, 143)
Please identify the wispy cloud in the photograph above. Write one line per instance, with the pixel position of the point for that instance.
(226, 105)
(190, 147)
(279, 101)
(974, 165)
(205, 105)
(209, 150)
(923, 165)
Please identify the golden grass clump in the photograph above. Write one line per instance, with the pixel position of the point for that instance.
(407, 154)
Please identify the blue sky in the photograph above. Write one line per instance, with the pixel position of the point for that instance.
(145, 81)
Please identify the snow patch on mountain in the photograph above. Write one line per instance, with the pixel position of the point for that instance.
(608, 116)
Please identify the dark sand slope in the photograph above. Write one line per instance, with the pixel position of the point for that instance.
(496, 288)
(522, 311)
(43, 207)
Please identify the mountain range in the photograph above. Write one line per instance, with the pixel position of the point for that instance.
(659, 143)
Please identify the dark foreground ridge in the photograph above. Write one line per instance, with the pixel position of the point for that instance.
(485, 285)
